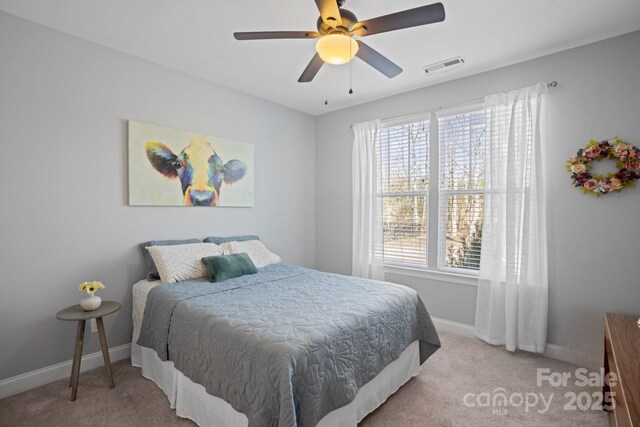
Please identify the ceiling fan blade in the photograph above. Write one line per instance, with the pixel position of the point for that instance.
(409, 18)
(330, 12)
(377, 60)
(312, 69)
(264, 35)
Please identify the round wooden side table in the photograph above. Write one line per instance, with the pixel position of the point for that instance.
(75, 312)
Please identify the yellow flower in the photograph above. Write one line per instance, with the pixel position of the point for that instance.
(90, 287)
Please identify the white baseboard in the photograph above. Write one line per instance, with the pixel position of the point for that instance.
(552, 351)
(580, 358)
(456, 328)
(33, 379)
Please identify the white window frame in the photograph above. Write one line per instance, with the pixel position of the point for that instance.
(433, 270)
(442, 192)
(405, 120)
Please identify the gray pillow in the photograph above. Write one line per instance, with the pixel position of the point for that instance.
(152, 271)
(220, 240)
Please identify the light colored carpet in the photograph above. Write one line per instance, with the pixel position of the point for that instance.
(434, 398)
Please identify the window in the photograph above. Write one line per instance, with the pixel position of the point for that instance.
(461, 198)
(403, 172)
(412, 210)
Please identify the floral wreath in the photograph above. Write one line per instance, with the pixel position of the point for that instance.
(628, 164)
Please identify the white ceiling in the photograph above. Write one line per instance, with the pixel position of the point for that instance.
(195, 36)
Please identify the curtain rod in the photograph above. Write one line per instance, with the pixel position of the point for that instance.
(549, 84)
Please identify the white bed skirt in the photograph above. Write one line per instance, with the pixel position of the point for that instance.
(190, 400)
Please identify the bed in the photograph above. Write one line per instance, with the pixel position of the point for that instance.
(288, 346)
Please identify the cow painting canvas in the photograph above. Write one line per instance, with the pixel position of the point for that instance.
(171, 167)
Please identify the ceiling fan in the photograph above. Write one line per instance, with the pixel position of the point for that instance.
(336, 28)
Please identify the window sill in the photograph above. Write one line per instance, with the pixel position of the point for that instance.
(442, 276)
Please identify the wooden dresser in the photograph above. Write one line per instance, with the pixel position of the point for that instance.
(622, 357)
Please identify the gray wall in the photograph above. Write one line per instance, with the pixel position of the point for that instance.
(594, 244)
(64, 103)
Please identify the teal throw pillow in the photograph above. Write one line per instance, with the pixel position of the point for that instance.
(225, 267)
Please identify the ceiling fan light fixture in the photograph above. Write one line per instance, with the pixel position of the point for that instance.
(336, 49)
(336, 27)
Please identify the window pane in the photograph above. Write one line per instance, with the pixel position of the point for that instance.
(463, 230)
(462, 151)
(403, 155)
(419, 159)
(404, 223)
(403, 158)
(462, 173)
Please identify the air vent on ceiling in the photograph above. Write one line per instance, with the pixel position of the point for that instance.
(442, 66)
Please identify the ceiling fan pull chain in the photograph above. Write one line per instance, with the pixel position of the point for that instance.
(326, 100)
(350, 72)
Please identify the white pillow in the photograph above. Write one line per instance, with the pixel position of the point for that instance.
(259, 254)
(182, 262)
(226, 248)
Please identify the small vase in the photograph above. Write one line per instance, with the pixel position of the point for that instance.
(90, 303)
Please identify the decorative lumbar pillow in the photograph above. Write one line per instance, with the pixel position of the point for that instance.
(152, 271)
(224, 267)
(259, 254)
(182, 262)
(220, 240)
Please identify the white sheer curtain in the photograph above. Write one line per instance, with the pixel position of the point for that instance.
(513, 282)
(366, 206)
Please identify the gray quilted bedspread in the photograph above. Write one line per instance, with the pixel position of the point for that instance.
(288, 345)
